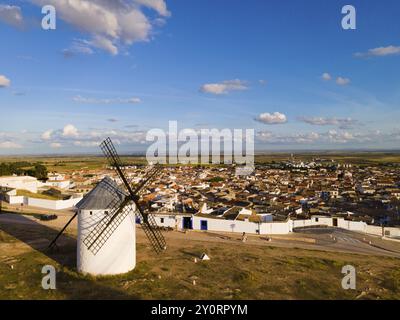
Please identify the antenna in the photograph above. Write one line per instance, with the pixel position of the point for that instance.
(121, 208)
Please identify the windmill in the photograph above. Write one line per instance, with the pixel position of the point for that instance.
(106, 221)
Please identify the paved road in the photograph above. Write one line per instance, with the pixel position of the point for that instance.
(344, 240)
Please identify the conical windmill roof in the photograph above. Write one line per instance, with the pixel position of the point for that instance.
(101, 196)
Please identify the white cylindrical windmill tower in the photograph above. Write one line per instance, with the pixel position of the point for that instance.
(114, 252)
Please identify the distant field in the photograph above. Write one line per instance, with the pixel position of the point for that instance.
(74, 163)
(67, 164)
(353, 157)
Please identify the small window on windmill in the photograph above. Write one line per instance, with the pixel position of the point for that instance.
(162, 220)
(106, 212)
(91, 212)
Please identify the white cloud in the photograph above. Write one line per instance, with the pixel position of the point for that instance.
(224, 87)
(11, 15)
(69, 136)
(105, 44)
(81, 99)
(55, 145)
(343, 123)
(379, 52)
(79, 46)
(342, 81)
(9, 145)
(111, 25)
(4, 81)
(272, 118)
(158, 5)
(326, 76)
(269, 137)
(339, 137)
(86, 143)
(331, 137)
(47, 135)
(70, 131)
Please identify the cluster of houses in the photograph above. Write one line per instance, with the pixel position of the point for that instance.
(29, 191)
(275, 198)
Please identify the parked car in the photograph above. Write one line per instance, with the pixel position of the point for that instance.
(47, 217)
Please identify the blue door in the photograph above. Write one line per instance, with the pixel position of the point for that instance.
(203, 224)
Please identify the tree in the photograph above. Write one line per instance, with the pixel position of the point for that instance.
(40, 172)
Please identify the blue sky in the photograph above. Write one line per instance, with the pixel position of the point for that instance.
(285, 68)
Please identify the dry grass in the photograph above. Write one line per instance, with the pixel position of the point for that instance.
(235, 271)
(37, 195)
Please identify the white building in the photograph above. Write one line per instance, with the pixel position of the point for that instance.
(58, 180)
(20, 182)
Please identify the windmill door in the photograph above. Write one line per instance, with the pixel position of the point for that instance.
(203, 224)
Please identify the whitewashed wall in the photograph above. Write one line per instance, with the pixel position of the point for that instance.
(44, 203)
(352, 225)
(277, 227)
(15, 199)
(377, 231)
(318, 220)
(226, 225)
(302, 223)
(169, 221)
(394, 232)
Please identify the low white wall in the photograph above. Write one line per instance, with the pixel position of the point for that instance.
(277, 227)
(374, 230)
(302, 223)
(14, 199)
(314, 221)
(388, 231)
(53, 204)
(44, 203)
(352, 225)
(393, 232)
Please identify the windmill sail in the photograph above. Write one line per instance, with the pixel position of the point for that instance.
(105, 228)
(52, 243)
